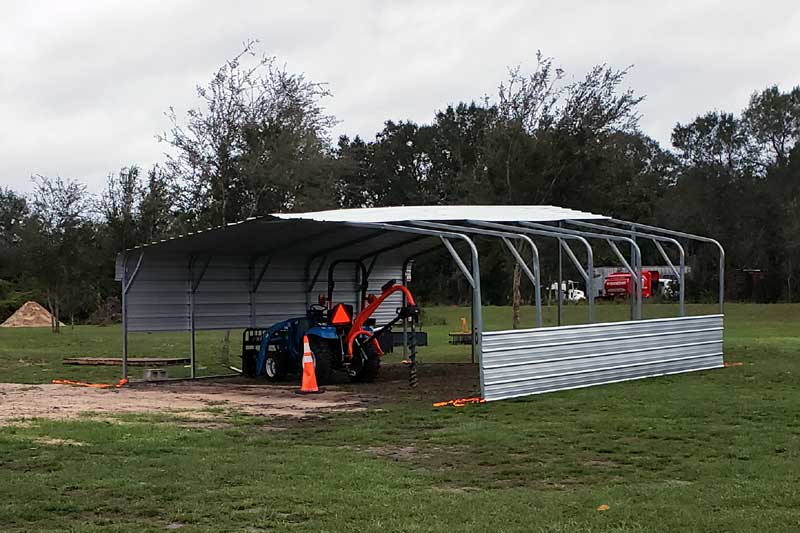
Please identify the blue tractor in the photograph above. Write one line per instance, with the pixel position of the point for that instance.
(340, 339)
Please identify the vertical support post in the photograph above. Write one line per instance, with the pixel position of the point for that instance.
(127, 281)
(125, 316)
(635, 283)
(590, 281)
(475, 305)
(472, 328)
(559, 292)
(192, 345)
(193, 284)
(682, 282)
(251, 293)
(477, 312)
(357, 285)
(537, 287)
(640, 303)
(404, 282)
(721, 278)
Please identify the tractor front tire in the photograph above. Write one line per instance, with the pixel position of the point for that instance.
(369, 370)
(370, 362)
(324, 356)
(276, 366)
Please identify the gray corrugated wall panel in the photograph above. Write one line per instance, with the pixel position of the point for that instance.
(345, 288)
(521, 362)
(381, 274)
(159, 297)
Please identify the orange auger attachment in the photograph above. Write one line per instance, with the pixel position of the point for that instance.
(121, 383)
(460, 402)
(309, 383)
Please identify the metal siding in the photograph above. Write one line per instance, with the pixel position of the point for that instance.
(157, 300)
(522, 362)
(381, 274)
(159, 297)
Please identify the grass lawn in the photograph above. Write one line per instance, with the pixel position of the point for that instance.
(710, 451)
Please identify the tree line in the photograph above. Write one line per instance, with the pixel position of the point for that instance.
(259, 140)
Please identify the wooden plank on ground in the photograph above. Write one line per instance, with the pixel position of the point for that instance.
(132, 361)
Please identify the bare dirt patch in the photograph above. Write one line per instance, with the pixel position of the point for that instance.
(195, 400)
(436, 382)
(205, 403)
(50, 441)
(396, 453)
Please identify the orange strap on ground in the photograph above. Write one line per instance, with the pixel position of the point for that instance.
(460, 402)
(118, 385)
(734, 363)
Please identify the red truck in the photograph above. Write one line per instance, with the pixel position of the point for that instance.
(618, 284)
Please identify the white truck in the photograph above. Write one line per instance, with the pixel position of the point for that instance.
(569, 292)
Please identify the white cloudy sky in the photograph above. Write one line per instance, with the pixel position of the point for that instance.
(84, 85)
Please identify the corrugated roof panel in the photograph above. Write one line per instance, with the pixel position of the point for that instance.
(489, 213)
(306, 233)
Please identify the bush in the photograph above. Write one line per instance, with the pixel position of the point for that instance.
(107, 313)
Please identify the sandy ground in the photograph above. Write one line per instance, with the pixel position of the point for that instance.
(200, 400)
(207, 400)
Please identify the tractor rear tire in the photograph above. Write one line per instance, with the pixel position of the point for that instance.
(324, 356)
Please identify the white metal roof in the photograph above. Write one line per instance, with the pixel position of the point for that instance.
(488, 213)
(241, 236)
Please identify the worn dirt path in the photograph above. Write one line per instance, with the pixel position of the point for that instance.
(185, 399)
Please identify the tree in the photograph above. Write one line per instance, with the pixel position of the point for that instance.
(550, 140)
(14, 214)
(772, 120)
(738, 180)
(257, 143)
(119, 206)
(61, 245)
(134, 210)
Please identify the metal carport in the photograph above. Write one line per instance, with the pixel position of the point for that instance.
(266, 269)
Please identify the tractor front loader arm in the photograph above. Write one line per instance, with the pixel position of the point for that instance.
(410, 310)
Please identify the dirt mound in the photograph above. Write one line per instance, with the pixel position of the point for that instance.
(30, 315)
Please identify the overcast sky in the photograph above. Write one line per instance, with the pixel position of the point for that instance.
(84, 85)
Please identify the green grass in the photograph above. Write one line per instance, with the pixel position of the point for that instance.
(35, 355)
(711, 451)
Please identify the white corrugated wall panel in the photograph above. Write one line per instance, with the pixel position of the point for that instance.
(522, 362)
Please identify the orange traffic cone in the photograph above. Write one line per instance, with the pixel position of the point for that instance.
(309, 383)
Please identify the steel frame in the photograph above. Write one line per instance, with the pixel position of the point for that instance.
(255, 282)
(449, 235)
(636, 259)
(126, 287)
(194, 283)
(587, 274)
(656, 240)
(690, 236)
(473, 274)
(533, 276)
(322, 255)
